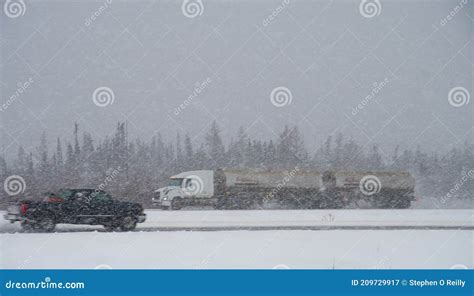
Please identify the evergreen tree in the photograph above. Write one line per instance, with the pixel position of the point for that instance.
(77, 149)
(59, 153)
(188, 152)
(374, 161)
(179, 153)
(215, 147)
(20, 165)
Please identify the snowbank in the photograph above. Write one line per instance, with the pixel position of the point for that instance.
(90, 247)
(239, 249)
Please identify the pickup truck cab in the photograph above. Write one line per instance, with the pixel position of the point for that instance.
(76, 206)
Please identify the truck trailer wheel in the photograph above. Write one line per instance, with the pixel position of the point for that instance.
(222, 203)
(176, 203)
(404, 203)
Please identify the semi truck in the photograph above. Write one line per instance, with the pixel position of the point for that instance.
(296, 188)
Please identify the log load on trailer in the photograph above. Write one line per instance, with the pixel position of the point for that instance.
(247, 189)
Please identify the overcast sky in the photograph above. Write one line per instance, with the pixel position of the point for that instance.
(380, 76)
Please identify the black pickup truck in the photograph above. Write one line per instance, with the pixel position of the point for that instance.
(76, 206)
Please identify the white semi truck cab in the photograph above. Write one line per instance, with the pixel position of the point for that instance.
(186, 188)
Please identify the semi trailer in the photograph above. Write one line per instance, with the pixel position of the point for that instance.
(247, 189)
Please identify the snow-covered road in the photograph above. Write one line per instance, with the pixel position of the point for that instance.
(291, 220)
(91, 247)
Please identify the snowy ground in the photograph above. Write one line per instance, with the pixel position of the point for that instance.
(442, 202)
(91, 247)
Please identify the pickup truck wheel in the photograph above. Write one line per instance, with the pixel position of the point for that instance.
(110, 227)
(46, 224)
(128, 223)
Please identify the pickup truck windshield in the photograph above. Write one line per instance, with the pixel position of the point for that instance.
(175, 182)
(65, 194)
(102, 196)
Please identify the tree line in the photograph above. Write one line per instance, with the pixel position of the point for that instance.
(83, 162)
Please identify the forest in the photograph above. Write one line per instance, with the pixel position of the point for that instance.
(132, 168)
